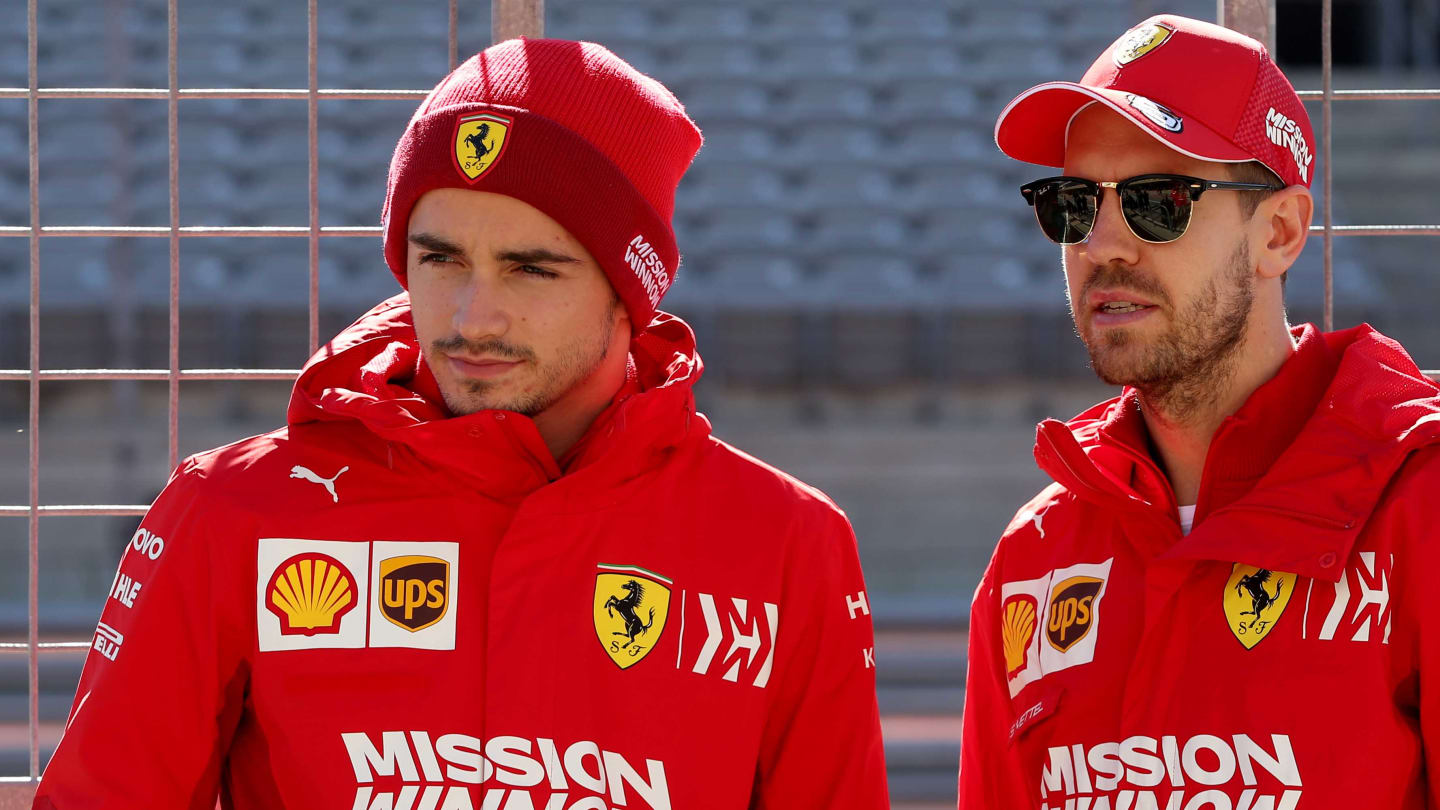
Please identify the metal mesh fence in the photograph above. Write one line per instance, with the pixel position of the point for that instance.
(510, 17)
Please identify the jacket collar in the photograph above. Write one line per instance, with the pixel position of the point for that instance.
(1290, 478)
(373, 374)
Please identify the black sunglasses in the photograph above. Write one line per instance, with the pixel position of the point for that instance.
(1156, 207)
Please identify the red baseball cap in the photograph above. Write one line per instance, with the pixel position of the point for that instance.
(1201, 89)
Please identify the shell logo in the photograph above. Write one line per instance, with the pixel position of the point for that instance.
(1017, 628)
(310, 593)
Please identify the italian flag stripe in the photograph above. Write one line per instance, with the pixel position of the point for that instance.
(635, 569)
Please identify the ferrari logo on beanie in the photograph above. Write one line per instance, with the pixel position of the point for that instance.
(479, 142)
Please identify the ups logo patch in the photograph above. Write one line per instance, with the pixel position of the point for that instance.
(414, 590)
(1071, 616)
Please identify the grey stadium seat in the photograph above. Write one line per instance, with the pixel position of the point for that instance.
(823, 100)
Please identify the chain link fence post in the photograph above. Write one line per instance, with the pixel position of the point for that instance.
(516, 18)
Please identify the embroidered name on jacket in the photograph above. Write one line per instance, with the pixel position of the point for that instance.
(1051, 622)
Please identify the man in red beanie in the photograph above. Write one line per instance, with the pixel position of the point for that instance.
(496, 561)
(1223, 600)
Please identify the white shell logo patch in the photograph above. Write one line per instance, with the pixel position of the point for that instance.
(1159, 115)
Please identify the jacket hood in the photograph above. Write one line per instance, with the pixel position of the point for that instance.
(373, 375)
(1291, 478)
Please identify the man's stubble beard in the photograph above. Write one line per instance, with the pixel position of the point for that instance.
(572, 366)
(1189, 366)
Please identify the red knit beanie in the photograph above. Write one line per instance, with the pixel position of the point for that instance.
(569, 128)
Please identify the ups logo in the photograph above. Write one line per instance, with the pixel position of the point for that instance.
(414, 590)
(1071, 616)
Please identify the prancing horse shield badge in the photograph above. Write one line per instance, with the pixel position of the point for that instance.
(1140, 41)
(631, 604)
(1254, 600)
(479, 142)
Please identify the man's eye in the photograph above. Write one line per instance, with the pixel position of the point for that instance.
(438, 258)
(532, 270)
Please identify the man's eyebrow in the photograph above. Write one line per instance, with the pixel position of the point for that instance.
(430, 241)
(535, 256)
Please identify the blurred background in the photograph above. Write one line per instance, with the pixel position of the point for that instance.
(877, 310)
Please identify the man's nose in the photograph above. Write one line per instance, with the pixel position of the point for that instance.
(1111, 239)
(481, 312)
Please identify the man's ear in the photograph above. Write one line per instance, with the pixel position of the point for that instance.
(1280, 226)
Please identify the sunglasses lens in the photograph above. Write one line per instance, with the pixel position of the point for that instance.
(1066, 210)
(1158, 209)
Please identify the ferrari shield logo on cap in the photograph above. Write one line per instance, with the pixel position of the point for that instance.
(1139, 42)
(479, 142)
(631, 604)
(1254, 600)
(414, 590)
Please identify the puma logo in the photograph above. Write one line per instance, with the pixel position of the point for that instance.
(329, 483)
(1038, 518)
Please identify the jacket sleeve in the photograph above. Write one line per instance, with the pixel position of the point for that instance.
(822, 747)
(990, 774)
(1416, 533)
(163, 683)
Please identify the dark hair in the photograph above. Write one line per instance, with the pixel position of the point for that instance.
(1254, 172)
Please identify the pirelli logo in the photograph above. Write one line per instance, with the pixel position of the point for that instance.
(309, 592)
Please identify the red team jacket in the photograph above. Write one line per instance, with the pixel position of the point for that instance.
(380, 608)
(1285, 654)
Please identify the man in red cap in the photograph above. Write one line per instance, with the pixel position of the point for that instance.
(496, 561)
(1223, 600)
